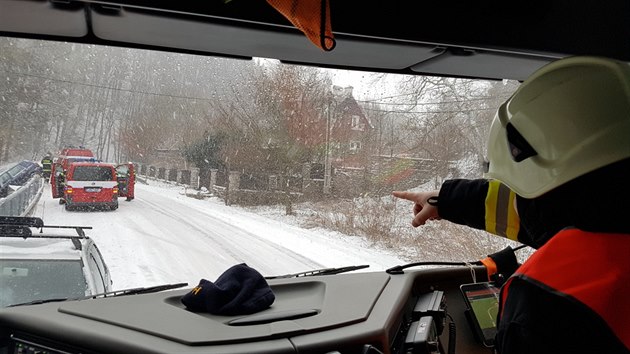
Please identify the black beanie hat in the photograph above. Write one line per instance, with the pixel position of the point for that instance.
(240, 290)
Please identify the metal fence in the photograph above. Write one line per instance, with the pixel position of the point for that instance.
(21, 201)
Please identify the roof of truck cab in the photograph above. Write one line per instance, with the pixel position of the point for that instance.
(77, 152)
(93, 163)
(445, 38)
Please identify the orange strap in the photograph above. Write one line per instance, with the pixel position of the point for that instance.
(311, 17)
(491, 266)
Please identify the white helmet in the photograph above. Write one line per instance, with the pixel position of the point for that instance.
(569, 118)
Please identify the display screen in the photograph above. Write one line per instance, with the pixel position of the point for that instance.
(483, 300)
(485, 305)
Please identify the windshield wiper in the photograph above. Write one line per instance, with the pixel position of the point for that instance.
(324, 271)
(134, 291)
(399, 268)
(44, 301)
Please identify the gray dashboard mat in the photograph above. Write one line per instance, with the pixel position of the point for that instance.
(339, 301)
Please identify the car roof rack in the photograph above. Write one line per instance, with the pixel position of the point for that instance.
(19, 226)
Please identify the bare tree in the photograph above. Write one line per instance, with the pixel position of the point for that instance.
(452, 118)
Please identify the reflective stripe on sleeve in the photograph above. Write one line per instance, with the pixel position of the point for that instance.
(501, 217)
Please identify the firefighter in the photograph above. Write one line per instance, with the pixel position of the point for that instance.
(60, 180)
(46, 165)
(557, 180)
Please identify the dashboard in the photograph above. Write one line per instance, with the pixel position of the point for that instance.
(419, 311)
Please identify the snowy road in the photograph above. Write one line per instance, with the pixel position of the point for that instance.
(163, 236)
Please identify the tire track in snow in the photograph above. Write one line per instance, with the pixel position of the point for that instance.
(227, 242)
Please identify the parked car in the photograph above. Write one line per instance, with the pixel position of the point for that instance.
(17, 174)
(91, 184)
(48, 265)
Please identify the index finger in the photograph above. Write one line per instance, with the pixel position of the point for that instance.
(405, 195)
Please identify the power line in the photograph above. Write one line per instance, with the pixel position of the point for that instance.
(107, 87)
(434, 103)
(388, 97)
(72, 82)
(430, 112)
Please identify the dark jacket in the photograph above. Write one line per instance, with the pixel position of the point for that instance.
(46, 163)
(539, 315)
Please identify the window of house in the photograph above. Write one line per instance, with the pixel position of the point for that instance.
(273, 182)
(355, 146)
(356, 123)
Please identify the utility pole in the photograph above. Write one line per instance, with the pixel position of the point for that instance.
(327, 167)
(391, 137)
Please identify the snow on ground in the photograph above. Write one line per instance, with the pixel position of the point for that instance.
(163, 236)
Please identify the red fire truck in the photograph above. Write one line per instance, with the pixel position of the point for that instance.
(91, 185)
(78, 179)
(70, 155)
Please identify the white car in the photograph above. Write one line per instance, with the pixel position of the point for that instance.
(51, 265)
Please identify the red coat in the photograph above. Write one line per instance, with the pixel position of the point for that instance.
(573, 294)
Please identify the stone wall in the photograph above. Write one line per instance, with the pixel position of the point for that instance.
(381, 177)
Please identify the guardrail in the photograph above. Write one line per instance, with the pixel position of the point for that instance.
(21, 201)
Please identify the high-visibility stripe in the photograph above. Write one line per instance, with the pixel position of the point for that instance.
(491, 206)
(501, 217)
(513, 221)
(503, 204)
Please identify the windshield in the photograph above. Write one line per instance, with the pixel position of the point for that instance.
(29, 280)
(286, 168)
(92, 173)
(70, 160)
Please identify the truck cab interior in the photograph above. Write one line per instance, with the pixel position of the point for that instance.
(361, 312)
